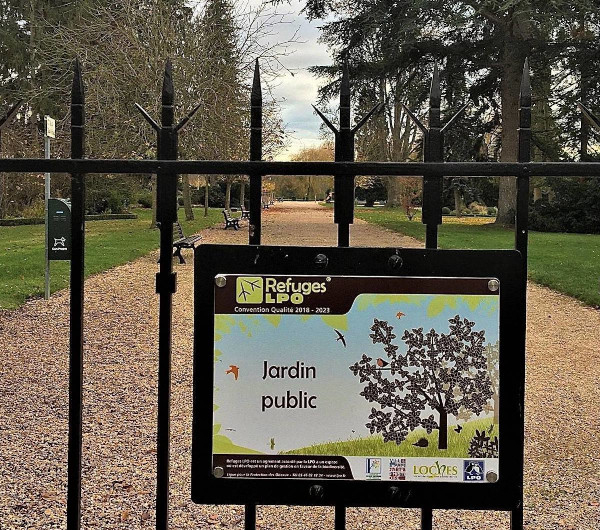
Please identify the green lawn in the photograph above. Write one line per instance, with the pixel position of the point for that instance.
(108, 244)
(569, 263)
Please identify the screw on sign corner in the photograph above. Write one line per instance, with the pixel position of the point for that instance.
(494, 285)
(316, 491)
(395, 262)
(321, 261)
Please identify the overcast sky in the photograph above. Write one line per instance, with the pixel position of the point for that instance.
(297, 88)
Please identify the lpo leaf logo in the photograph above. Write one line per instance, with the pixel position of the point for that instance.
(249, 290)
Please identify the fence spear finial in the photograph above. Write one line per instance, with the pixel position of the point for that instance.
(435, 100)
(435, 95)
(168, 91)
(168, 96)
(525, 95)
(256, 94)
(345, 97)
(77, 90)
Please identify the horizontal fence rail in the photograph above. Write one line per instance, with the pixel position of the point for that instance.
(226, 167)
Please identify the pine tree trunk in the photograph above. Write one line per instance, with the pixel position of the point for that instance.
(513, 56)
(242, 194)
(443, 430)
(187, 199)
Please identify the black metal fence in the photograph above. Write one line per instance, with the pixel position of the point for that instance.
(344, 169)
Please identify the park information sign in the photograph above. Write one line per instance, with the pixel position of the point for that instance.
(356, 378)
(59, 229)
(362, 376)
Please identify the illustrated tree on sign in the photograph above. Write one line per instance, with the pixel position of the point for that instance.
(444, 373)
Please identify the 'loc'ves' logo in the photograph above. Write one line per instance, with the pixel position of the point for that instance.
(249, 290)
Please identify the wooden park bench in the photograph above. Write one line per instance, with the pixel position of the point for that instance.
(245, 213)
(233, 222)
(180, 241)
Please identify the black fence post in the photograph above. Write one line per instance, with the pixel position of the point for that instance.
(76, 303)
(343, 208)
(521, 244)
(165, 287)
(433, 152)
(254, 232)
(344, 152)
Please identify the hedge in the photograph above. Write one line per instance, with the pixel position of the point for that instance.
(20, 221)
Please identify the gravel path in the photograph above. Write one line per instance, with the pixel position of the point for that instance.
(562, 477)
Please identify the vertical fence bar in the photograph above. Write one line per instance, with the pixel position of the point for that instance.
(432, 196)
(433, 152)
(344, 152)
(76, 304)
(254, 232)
(521, 244)
(250, 517)
(165, 287)
(340, 517)
(426, 519)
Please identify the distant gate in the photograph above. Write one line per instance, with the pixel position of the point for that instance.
(492, 479)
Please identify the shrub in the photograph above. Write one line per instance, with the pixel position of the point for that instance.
(466, 211)
(477, 208)
(446, 210)
(36, 209)
(144, 199)
(575, 207)
(492, 210)
(453, 212)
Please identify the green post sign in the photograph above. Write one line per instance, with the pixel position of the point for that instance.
(59, 229)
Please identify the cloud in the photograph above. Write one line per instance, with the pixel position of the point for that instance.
(299, 91)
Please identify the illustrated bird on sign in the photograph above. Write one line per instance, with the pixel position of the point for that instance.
(400, 314)
(422, 442)
(230, 429)
(491, 428)
(381, 363)
(340, 337)
(458, 428)
(272, 443)
(233, 369)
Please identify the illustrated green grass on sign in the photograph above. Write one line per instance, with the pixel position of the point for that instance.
(458, 443)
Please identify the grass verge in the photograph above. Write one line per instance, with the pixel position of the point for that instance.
(107, 244)
(568, 263)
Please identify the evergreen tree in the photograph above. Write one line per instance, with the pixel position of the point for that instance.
(483, 41)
